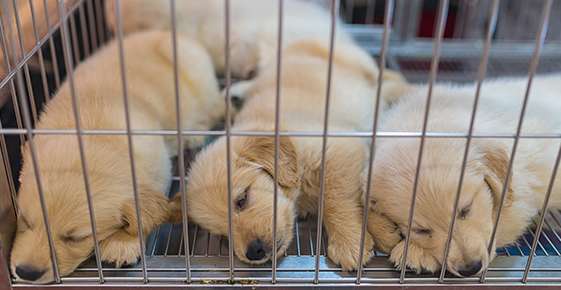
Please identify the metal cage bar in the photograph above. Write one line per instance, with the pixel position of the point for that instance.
(35, 163)
(79, 136)
(180, 153)
(385, 42)
(137, 205)
(277, 139)
(228, 125)
(321, 201)
(482, 71)
(540, 39)
(442, 15)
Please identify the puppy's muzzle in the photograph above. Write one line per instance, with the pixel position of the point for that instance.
(29, 273)
(257, 250)
(471, 269)
(237, 101)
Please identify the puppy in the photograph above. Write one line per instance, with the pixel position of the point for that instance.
(303, 87)
(486, 171)
(150, 78)
(253, 26)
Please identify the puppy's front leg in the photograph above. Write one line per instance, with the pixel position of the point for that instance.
(343, 209)
(123, 246)
(343, 220)
(121, 249)
(386, 234)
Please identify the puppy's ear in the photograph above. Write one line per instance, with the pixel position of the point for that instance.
(261, 150)
(155, 209)
(495, 158)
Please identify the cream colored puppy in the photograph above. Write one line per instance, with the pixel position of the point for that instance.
(303, 87)
(396, 160)
(148, 59)
(253, 26)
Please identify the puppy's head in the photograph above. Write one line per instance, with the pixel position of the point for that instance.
(69, 222)
(486, 169)
(252, 181)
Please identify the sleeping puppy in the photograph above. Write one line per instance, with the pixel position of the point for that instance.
(148, 58)
(304, 72)
(253, 26)
(486, 171)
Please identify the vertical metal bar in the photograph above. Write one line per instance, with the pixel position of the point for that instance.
(6, 52)
(442, 15)
(74, 34)
(321, 201)
(9, 175)
(408, 14)
(349, 11)
(370, 12)
(100, 20)
(195, 235)
(84, 30)
(91, 23)
(35, 163)
(30, 93)
(531, 72)
(383, 51)
(542, 218)
(168, 242)
(54, 57)
(137, 205)
(4, 273)
(40, 51)
(180, 153)
(277, 140)
(78, 125)
(482, 71)
(298, 252)
(228, 124)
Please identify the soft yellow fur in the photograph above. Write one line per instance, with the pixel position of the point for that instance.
(396, 159)
(253, 26)
(303, 90)
(148, 58)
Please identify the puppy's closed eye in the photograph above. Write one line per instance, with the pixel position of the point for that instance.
(73, 239)
(422, 231)
(464, 212)
(241, 200)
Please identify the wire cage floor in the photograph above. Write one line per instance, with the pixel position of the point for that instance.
(209, 260)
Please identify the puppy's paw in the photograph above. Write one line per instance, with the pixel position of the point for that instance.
(386, 234)
(345, 251)
(418, 259)
(120, 249)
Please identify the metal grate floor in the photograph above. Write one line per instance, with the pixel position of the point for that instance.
(165, 257)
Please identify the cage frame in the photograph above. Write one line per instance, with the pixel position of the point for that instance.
(18, 82)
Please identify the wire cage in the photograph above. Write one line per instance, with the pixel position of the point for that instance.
(426, 40)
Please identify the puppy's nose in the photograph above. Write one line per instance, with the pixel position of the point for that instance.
(256, 250)
(29, 273)
(471, 269)
(237, 102)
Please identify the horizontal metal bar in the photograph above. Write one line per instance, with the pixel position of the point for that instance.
(341, 134)
(25, 59)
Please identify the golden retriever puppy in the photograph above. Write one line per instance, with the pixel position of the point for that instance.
(253, 26)
(150, 77)
(486, 170)
(303, 87)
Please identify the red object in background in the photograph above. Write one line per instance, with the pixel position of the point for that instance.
(428, 22)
